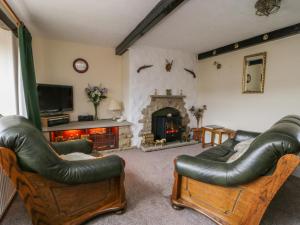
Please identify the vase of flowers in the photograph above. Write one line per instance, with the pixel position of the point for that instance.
(198, 113)
(96, 94)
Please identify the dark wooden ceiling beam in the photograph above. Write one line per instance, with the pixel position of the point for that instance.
(161, 10)
(270, 36)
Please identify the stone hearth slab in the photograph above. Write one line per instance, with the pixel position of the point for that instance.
(168, 145)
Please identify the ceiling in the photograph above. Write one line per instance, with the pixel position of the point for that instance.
(102, 22)
(195, 26)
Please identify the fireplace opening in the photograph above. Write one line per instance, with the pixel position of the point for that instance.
(167, 124)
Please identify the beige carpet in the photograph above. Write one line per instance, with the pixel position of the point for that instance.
(149, 178)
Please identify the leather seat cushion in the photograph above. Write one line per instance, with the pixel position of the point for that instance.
(220, 153)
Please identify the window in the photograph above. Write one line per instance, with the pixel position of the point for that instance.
(8, 73)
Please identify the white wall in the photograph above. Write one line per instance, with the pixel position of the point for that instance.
(221, 89)
(54, 65)
(143, 84)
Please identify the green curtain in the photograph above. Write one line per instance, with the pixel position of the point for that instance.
(28, 76)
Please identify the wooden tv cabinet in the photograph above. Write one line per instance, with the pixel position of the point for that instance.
(106, 134)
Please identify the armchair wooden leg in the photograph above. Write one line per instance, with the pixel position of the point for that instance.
(177, 207)
(121, 211)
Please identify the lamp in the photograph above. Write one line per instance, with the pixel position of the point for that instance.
(267, 7)
(115, 106)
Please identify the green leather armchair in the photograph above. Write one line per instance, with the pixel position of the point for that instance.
(222, 190)
(38, 165)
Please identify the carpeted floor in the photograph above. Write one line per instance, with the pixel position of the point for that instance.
(149, 178)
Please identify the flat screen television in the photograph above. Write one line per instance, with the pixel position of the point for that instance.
(55, 98)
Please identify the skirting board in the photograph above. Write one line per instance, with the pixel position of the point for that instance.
(169, 145)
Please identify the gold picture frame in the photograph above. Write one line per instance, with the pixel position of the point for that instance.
(253, 80)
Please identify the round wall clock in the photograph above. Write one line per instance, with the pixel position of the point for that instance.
(80, 65)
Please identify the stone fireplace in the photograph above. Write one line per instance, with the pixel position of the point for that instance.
(165, 117)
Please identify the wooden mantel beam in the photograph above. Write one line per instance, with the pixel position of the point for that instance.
(160, 11)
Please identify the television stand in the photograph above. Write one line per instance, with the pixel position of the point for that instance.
(54, 120)
(106, 134)
(52, 114)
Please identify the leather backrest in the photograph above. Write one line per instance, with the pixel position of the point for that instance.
(264, 152)
(242, 135)
(34, 153)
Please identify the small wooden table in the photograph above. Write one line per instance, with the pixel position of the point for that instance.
(219, 131)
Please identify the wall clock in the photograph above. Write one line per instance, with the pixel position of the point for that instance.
(80, 65)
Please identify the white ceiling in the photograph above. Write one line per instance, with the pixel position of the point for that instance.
(102, 22)
(196, 26)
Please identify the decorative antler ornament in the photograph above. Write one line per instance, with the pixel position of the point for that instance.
(143, 67)
(169, 65)
(191, 72)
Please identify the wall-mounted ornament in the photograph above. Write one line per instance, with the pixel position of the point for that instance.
(143, 67)
(254, 73)
(191, 72)
(169, 65)
(267, 7)
(80, 65)
(217, 64)
(168, 92)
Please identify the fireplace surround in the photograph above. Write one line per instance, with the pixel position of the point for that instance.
(169, 111)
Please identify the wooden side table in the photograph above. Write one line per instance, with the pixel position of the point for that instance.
(219, 131)
(212, 136)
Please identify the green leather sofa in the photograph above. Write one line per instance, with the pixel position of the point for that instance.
(210, 166)
(239, 190)
(57, 191)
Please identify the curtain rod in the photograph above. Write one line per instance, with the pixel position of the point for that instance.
(11, 12)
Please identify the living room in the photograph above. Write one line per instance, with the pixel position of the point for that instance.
(131, 88)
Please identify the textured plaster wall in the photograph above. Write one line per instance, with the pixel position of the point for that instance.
(142, 85)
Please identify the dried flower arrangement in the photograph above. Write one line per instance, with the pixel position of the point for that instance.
(198, 113)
